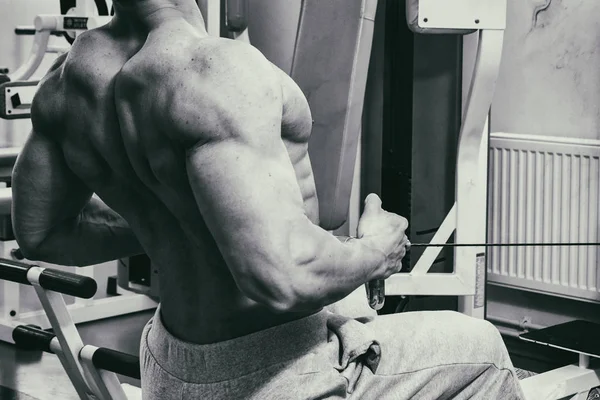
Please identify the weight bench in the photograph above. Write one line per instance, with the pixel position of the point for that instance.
(571, 381)
(91, 369)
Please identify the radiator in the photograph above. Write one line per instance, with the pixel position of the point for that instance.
(545, 189)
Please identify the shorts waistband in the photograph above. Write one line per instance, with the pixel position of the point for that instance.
(233, 358)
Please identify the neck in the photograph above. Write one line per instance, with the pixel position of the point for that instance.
(150, 14)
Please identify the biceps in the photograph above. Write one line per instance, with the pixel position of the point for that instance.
(45, 191)
(250, 200)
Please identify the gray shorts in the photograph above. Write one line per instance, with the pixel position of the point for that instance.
(419, 355)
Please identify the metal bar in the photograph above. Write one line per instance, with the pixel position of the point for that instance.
(442, 235)
(499, 244)
(30, 31)
(30, 338)
(107, 383)
(471, 189)
(117, 362)
(36, 55)
(89, 272)
(100, 363)
(64, 328)
(14, 271)
(49, 279)
(68, 283)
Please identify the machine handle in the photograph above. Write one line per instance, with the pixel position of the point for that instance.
(29, 337)
(30, 31)
(376, 293)
(503, 244)
(50, 279)
(117, 362)
(68, 283)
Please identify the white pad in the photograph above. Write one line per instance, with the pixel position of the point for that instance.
(331, 60)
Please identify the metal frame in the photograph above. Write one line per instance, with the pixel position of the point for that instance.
(79, 19)
(75, 357)
(16, 98)
(81, 310)
(462, 14)
(468, 215)
(571, 381)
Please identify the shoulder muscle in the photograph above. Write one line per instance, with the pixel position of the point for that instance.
(46, 109)
(225, 90)
(297, 116)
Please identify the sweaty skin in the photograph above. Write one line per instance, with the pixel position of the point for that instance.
(196, 150)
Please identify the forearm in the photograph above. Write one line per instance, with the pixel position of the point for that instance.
(330, 268)
(96, 235)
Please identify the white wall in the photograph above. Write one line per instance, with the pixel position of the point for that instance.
(549, 82)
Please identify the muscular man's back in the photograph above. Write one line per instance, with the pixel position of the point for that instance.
(108, 104)
(198, 146)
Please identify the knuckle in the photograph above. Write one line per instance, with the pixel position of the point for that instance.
(403, 222)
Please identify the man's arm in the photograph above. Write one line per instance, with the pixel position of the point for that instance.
(246, 189)
(55, 217)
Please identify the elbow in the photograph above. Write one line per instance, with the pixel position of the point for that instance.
(280, 279)
(288, 303)
(30, 246)
(281, 293)
(29, 250)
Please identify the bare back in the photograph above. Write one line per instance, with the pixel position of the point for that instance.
(110, 92)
